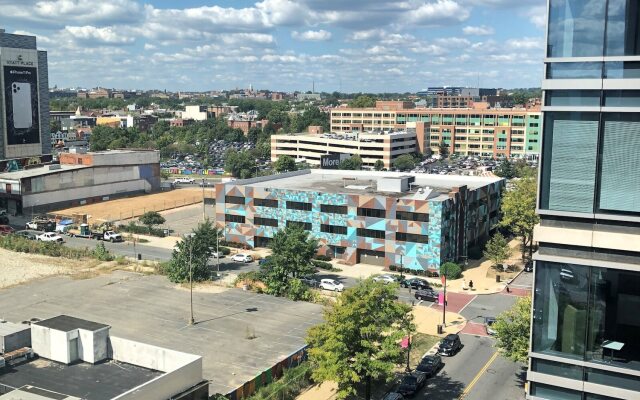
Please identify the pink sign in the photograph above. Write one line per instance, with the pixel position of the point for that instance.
(405, 342)
(440, 299)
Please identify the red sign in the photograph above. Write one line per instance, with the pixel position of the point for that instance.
(405, 342)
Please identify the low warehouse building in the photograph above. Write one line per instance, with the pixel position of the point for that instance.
(418, 221)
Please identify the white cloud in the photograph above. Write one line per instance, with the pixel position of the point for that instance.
(478, 30)
(314, 36)
(538, 16)
(440, 12)
(106, 35)
(149, 46)
(527, 43)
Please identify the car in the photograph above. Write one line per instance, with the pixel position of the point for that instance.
(330, 284)
(426, 295)
(112, 236)
(245, 258)
(528, 267)
(3, 212)
(386, 279)
(184, 180)
(27, 235)
(309, 280)
(263, 261)
(6, 230)
(415, 283)
(450, 345)
(488, 325)
(393, 396)
(50, 237)
(216, 254)
(429, 365)
(411, 383)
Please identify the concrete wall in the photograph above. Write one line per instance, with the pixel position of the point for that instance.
(51, 344)
(182, 370)
(81, 193)
(16, 340)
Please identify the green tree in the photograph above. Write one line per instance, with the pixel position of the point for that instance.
(285, 164)
(524, 170)
(351, 163)
(512, 330)
(451, 270)
(292, 250)
(240, 164)
(195, 250)
(519, 212)
(404, 163)
(497, 249)
(443, 150)
(55, 126)
(151, 218)
(363, 102)
(379, 165)
(505, 170)
(253, 134)
(359, 338)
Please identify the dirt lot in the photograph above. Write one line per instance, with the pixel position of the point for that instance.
(130, 207)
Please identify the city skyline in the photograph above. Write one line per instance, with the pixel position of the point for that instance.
(379, 46)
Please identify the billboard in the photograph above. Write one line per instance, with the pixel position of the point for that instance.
(332, 161)
(22, 113)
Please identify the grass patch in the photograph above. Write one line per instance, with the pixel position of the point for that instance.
(294, 381)
(420, 344)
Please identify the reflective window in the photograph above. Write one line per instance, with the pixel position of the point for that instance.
(622, 70)
(574, 70)
(623, 37)
(553, 392)
(576, 28)
(556, 368)
(576, 98)
(622, 98)
(609, 378)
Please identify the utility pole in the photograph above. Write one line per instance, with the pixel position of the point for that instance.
(217, 252)
(204, 205)
(444, 300)
(191, 320)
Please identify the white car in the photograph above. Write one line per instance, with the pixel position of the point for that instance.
(184, 180)
(386, 279)
(50, 237)
(217, 255)
(245, 258)
(330, 284)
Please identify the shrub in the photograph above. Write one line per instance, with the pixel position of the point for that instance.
(101, 253)
(451, 270)
(225, 251)
(393, 268)
(475, 252)
(298, 291)
(293, 382)
(235, 245)
(322, 264)
(321, 257)
(131, 227)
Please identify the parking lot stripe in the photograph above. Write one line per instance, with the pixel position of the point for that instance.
(478, 376)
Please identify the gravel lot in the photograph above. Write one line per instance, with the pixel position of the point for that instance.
(17, 268)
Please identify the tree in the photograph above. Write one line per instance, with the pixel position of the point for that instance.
(524, 170)
(151, 218)
(512, 330)
(379, 165)
(359, 338)
(55, 126)
(239, 164)
(519, 212)
(292, 250)
(497, 249)
(351, 163)
(195, 250)
(363, 102)
(404, 163)
(443, 149)
(285, 163)
(505, 170)
(451, 270)
(253, 134)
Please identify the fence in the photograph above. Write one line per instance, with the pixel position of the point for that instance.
(188, 171)
(270, 375)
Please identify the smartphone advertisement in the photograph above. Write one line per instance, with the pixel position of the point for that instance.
(21, 101)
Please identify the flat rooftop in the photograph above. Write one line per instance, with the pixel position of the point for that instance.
(66, 323)
(239, 334)
(365, 182)
(102, 381)
(39, 171)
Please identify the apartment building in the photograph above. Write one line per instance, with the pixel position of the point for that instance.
(478, 131)
(418, 221)
(586, 324)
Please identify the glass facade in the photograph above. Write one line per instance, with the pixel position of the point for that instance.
(576, 28)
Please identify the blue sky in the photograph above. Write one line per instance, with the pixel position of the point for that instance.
(345, 45)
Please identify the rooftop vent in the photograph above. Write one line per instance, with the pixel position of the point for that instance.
(53, 167)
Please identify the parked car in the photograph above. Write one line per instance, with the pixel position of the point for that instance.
(245, 258)
(488, 324)
(330, 284)
(450, 345)
(430, 365)
(184, 180)
(264, 260)
(415, 283)
(427, 295)
(50, 237)
(411, 383)
(27, 235)
(386, 279)
(528, 267)
(6, 230)
(112, 237)
(309, 281)
(393, 396)
(217, 255)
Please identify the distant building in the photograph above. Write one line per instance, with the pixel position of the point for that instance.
(99, 93)
(197, 113)
(308, 97)
(277, 96)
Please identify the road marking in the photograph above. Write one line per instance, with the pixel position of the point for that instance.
(478, 376)
(470, 301)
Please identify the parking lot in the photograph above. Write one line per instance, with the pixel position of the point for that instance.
(239, 334)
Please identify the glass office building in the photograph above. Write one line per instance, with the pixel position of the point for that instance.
(586, 313)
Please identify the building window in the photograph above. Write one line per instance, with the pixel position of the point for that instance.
(329, 208)
(335, 229)
(304, 225)
(556, 369)
(411, 237)
(265, 221)
(576, 28)
(572, 98)
(234, 200)
(574, 70)
(297, 205)
(412, 216)
(371, 212)
(543, 391)
(234, 218)
(623, 36)
(265, 203)
(261, 241)
(338, 250)
(371, 233)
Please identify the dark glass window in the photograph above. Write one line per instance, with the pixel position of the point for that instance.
(371, 212)
(329, 208)
(371, 233)
(338, 250)
(411, 237)
(412, 216)
(305, 225)
(261, 241)
(265, 203)
(234, 218)
(556, 369)
(576, 28)
(574, 70)
(576, 98)
(234, 200)
(297, 205)
(335, 229)
(614, 379)
(623, 36)
(622, 70)
(543, 391)
(622, 98)
(265, 221)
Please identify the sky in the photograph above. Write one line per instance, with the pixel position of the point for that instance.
(286, 45)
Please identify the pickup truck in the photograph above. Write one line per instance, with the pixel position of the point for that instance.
(50, 237)
(41, 225)
(112, 236)
(184, 180)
